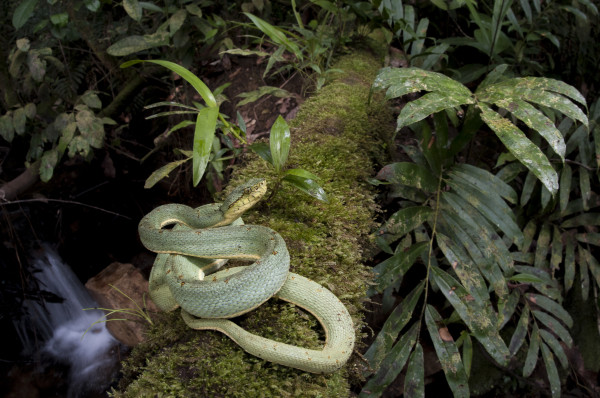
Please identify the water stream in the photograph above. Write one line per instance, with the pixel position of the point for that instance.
(56, 331)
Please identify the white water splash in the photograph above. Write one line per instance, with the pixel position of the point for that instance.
(91, 356)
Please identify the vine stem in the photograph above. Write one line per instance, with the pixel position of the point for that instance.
(430, 252)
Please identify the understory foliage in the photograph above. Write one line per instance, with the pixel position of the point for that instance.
(495, 247)
(501, 249)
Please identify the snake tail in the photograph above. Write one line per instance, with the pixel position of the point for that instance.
(316, 299)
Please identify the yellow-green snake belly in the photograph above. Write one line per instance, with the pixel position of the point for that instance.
(200, 242)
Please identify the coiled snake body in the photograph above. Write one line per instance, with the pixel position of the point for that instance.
(199, 244)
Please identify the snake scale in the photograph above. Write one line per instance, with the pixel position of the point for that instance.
(201, 240)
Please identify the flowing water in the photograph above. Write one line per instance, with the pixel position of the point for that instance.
(62, 332)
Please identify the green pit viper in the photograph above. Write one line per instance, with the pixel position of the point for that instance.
(202, 239)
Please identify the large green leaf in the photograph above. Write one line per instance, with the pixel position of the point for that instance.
(532, 89)
(518, 337)
(554, 324)
(552, 307)
(490, 205)
(19, 120)
(447, 353)
(306, 182)
(176, 21)
(47, 163)
(390, 270)
(410, 174)
(485, 181)
(428, 104)
(565, 186)
(464, 268)
(162, 172)
(136, 43)
(405, 220)
(414, 381)
(555, 346)
(276, 34)
(551, 371)
(7, 130)
(393, 325)
(280, 141)
(480, 230)
(23, 12)
(133, 9)
(90, 127)
(532, 352)
(206, 123)
(536, 120)
(188, 76)
(479, 317)
(507, 307)
(392, 364)
(521, 147)
(401, 81)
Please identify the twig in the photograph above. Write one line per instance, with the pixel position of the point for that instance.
(72, 202)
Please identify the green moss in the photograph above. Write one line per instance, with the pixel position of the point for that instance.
(335, 135)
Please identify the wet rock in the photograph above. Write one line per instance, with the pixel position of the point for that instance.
(130, 281)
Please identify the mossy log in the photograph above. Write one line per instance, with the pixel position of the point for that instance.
(336, 135)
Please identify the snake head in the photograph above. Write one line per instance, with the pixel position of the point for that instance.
(243, 198)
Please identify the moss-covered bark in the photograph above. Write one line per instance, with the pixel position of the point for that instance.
(336, 136)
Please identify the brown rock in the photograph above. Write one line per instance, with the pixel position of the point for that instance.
(129, 280)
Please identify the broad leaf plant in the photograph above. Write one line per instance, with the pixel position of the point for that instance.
(466, 230)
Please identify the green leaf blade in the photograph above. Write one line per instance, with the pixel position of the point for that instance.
(393, 325)
(162, 172)
(306, 182)
(428, 104)
(392, 364)
(522, 148)
(447, 353)
(414, 382)
(23, 12)
(206, 123)
(188, 76)
(280, 141)
(536, 120)
(551, 370)
(393, 268)
(410, 174)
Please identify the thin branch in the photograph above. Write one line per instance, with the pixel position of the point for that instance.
(71, 202)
